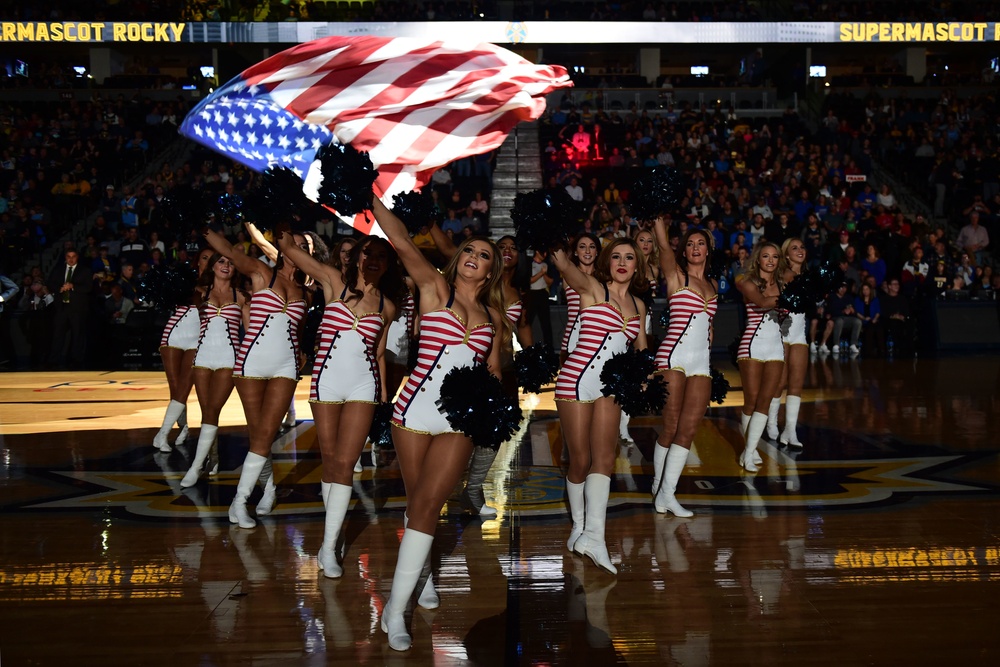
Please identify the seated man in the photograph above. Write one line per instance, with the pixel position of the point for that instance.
(899, 326)
(841, 308)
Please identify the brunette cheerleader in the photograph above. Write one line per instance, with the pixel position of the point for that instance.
(349, 374)
(221, 311)
(610, 320)
(267, 365)
(761, 355)
(584, 252)
(460, 311)
(683, 357)
(177, 349)
(793, 336)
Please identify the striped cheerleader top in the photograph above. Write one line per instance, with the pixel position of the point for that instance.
(266, 305)
(444, 334)
(513, 312)
(231, 312)
(338, 318)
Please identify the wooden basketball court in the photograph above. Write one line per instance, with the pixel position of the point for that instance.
(877, 544)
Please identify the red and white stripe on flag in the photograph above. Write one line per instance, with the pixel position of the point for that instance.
(413, 105)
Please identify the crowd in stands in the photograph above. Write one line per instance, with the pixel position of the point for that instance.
(59, 164)
(773, 179)
(85, 153)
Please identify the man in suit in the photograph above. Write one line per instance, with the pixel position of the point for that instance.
(71, 283)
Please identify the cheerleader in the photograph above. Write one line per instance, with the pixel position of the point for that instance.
(585, 250)
(221, 312)
(683, 357)
(349, 374)
(610, 319)
(400, 336)
(472, 497)
(761, 356)
(460, 310)
(793, 336)
(267, 365)
(177, 349)
(650, 250)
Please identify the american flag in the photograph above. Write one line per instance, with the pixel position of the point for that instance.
(413, 105)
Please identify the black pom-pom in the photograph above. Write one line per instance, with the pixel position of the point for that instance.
(474, 402)
(184, 210)
(229, 209)
(279, 199)
(629, 377)
(167, 287)
(414, 209)
(828, 278)
(801, 294)
(535, 366)
(348, 176)
(720, 386)
(658, 191)
(544, 219)
(380, 432)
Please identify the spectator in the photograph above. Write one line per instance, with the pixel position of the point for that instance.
(781, 229)
(325, 228)
(973, 238)
(814, 239)
(481, 206)
(874, 265)
(965, 270)
(538, 297)
(8, 289)
(574, 190)
(899, 327)
(764, 210)
(841, 308)
(915, 271)
(885, 198)
(127, 281)
(452, 225)
(868, 310)
(133, 250)
(116, 306)
(128, 205)
(73, 283)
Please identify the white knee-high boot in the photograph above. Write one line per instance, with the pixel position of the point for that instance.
(182, 422)
(659, 457)
(206, 436)
(665, 500)
(336, 499)
(623, 428)
(252, 466)
(788, 435)
(755, 429)
(772, 419)
(577, 511)
(592, 544)
(267, 500)
(428, 598)
(479, 468)
(170, 417)
(413, 552)
(744, 422)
